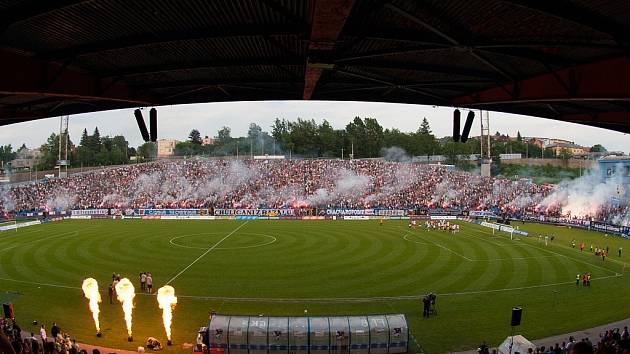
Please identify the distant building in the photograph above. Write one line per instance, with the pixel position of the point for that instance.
(208, 141)
(544, 143)
(575, 150)
(26, 158)
(166, 147)
(540, 142)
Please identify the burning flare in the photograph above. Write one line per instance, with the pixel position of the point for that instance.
(125, 293)
(167, 300)
(90, 290)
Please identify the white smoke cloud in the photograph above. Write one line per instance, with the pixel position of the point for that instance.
(350, 184)
(61, 200)
(395, 153)
(586, 195)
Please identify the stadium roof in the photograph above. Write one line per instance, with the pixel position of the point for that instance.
(559, 59)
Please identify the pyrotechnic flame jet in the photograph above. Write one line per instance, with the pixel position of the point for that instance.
(90, 290)
(167, 300)
(125, 293)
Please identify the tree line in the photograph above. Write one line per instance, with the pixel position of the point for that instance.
(360, 138)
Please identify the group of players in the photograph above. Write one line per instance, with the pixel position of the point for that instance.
(585, 277)
(442, 225)
(597, 251)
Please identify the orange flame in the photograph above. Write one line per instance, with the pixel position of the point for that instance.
(125, 292)
(90, 290)
(167, 300)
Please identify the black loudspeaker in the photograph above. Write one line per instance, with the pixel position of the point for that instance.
(153, 124)
(517, 312)
(8, 310)
(469, 121)
(141, 125)
(456, 123)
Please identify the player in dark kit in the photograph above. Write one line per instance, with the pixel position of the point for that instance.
(426, 303)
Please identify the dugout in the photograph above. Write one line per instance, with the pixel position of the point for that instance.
(373, 334)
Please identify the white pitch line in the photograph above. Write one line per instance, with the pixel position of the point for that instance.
(274, 239)
(333, 300)
(446, 248)
(206, 252)
(41, 239)
(41, 284)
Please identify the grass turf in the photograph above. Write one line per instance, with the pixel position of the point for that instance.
(284, 267)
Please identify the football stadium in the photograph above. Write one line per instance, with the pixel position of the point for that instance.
(355, 198)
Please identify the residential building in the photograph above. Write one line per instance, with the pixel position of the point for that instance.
(166, 147)
(575, 150)
(208, 141)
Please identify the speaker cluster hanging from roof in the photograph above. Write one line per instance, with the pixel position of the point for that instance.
(143, 127)
(467, 126)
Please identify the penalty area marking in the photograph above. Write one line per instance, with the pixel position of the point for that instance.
(172, 241)
(73, 233)
(470, 259)
(206, 252)
(569, 257)
(406, 239)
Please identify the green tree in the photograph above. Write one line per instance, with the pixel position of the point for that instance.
(425, 141)
(519, 138)
(85, 139)
(598, 148)
(357, 137)
(224, 135)
(147, 151)
(95, 141)
(6, 153)
(304, 137)
(425, 128)
(195, 137)
(186, 148)
(327, 139)
(50, 152)
(281, 131)
(254, 131)
(374, 137)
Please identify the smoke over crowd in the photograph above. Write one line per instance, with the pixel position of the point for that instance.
(393, 183)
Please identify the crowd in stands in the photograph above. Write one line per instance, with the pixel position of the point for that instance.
(14, 341)
(276, 184)
(612, 341)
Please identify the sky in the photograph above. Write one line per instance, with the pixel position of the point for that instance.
(177, 121)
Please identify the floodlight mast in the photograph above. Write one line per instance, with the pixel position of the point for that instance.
(62, 160)
(484, 140)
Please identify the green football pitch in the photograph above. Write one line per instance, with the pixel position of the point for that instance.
(325, 267)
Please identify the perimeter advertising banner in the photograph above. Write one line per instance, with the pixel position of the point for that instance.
(90, 212)
(366, 212)
(481, 214)
(391, 212)
(615, 229)
(173, 212)
(254, 212)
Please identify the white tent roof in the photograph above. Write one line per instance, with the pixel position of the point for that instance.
(520, 345)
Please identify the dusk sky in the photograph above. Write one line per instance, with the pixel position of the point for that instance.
(177, 121)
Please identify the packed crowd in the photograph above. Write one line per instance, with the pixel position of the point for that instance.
(612, 341)
(275, 184)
